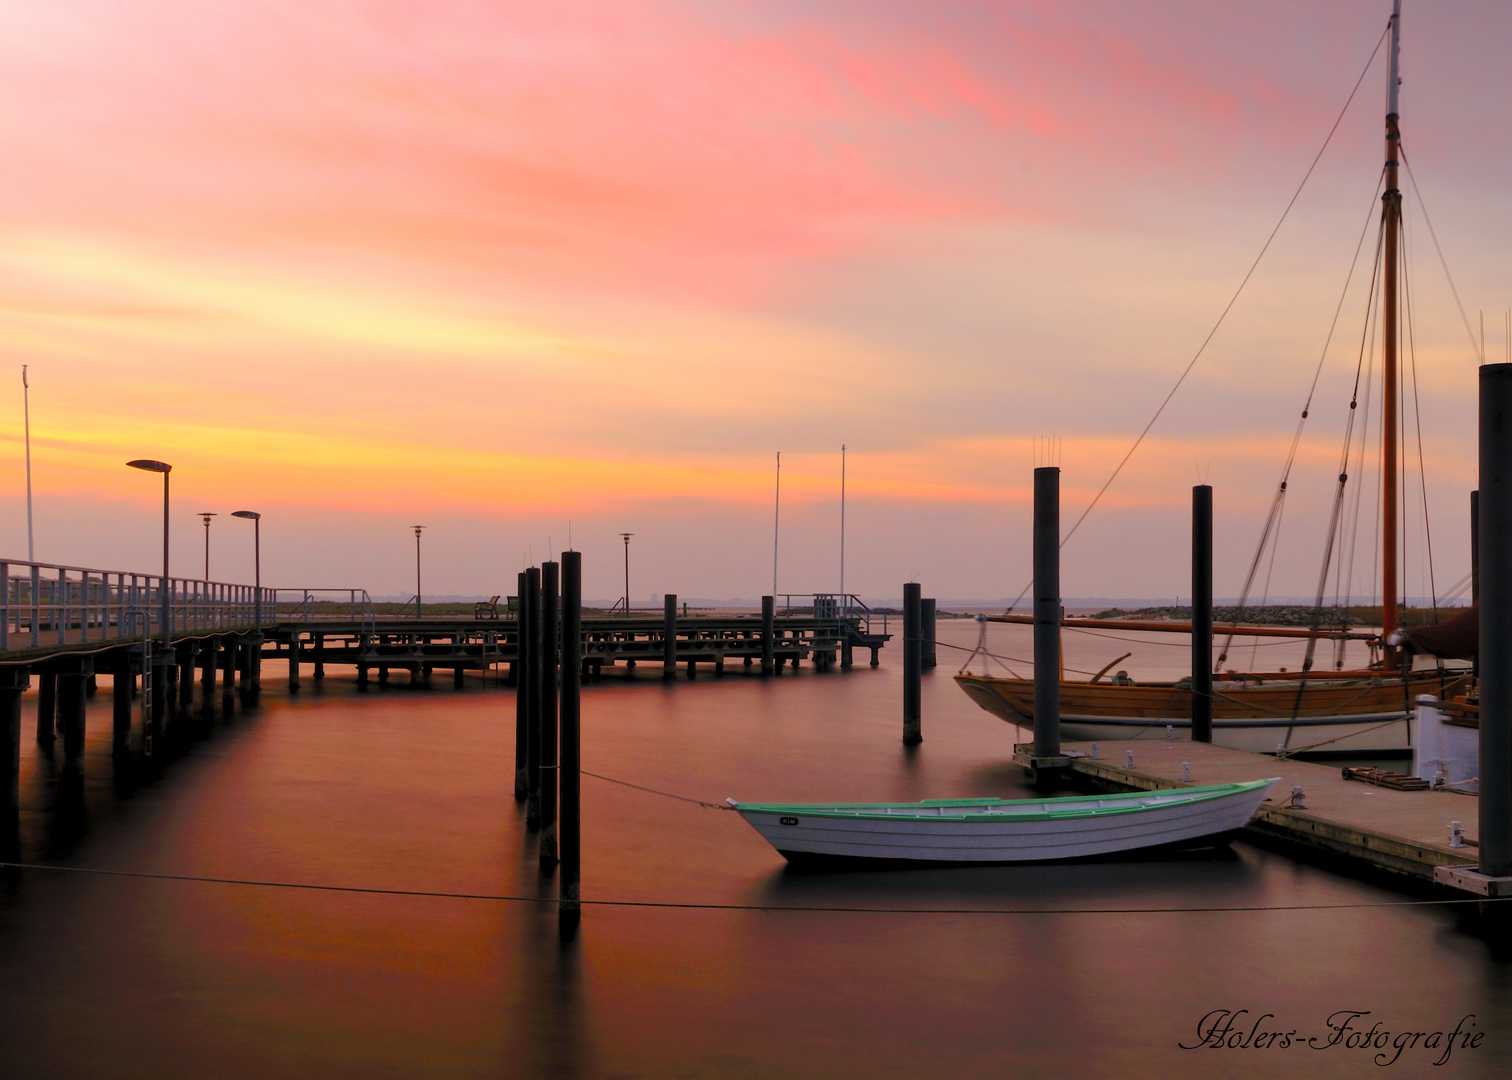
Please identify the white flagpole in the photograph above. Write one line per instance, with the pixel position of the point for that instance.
(31, 548)
(776, 522)
(842, 525)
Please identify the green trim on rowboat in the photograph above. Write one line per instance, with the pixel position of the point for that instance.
(895, 811)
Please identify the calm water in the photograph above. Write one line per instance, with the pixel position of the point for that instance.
(108, 976)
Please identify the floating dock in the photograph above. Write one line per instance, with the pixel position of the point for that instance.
(1407, 834)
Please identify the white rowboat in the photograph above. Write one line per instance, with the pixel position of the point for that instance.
(999, 830)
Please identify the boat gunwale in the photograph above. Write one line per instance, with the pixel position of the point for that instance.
(877, 811)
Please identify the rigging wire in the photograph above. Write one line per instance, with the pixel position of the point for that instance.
(1418, 417)
(1226, 309)
(1442, 261)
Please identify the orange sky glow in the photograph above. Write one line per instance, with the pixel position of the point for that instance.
(501, 266)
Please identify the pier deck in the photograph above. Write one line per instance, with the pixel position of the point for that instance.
(1400, 832)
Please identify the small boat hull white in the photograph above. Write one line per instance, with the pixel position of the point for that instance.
(1002, 831)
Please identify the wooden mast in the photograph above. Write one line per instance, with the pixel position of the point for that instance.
(1392, 222)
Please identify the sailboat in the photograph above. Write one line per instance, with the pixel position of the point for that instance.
(1363, 711)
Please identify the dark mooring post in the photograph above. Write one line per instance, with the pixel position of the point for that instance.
(1047, 613)
(768, 634)
(927, 631)
(13, 683)
(669, 638)
(122, 676)
(570, 839)
(532, 603)
(547, 717)
(1202, 613)
(521, 670)
(71, 698)
(913, 733)
(47, 706)
(1496, 620)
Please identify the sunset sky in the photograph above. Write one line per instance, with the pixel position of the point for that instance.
(493, 267)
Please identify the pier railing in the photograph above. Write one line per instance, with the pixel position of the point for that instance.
(323, 603)
(50, 604)
(833, 607)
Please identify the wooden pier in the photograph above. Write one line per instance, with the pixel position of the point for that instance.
(1404, 834)
(608, 642)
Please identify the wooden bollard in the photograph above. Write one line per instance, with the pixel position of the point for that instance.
(14, 682)
(71, 713)
(669, 637)
(47, 706)
(547, 718)
(913, 732)
(1202, 613)
(521, 672)
(533, 700)
(1495, 802)
(927, 657)
(768, 634)
(122, 676)
(570, 843)
(1047, 614)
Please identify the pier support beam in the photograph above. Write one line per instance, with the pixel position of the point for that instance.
(533, 702)
(1496, 620)
(1047, 762)
(47, 706)
(768, 634)
(569, 908)
(548, 714)
(1202, 613)
(520, 675)
(72, 694)
(120, 699)
(927, 656)
(294, 663)
(207, 675)
(669, 637)
(319, 672)
(186, 676)
(228, 675)
(913, 654)
(14, 682)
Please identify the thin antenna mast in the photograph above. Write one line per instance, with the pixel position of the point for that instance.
(31, 548)
(776, 523)
(842, 525)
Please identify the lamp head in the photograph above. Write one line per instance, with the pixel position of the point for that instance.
(250, 515)
(207, 515)
(417, 528)
(148, 465)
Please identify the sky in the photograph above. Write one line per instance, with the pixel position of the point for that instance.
(521, 272)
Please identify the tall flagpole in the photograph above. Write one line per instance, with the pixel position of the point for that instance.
(31, 549)
(842, 525)
(776, 523)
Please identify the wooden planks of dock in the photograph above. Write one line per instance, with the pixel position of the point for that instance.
(1376, 828)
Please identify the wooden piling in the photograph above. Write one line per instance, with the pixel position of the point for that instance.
(185, 655)
(14, 682)
(547, 718)
(520, 676)
(228, 675)
(1047, 612)
(532, 602)
(72, 693)
(570, 835)
(294, 662)
(47, 706)
(120, 699)
(1202, 613)
(319, 672)
(927, 657)
(913, 733)
(669, 637)
(768, 634)
(1495, 803)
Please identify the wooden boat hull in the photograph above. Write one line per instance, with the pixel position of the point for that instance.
(1341, 716)
(1003, 831)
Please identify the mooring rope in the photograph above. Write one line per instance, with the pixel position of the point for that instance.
(206, 879)
(654, 791)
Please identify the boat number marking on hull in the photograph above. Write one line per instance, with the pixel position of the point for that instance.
(788, 820)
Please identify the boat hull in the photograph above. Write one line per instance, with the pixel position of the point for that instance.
(1338, 716)
(995, 831)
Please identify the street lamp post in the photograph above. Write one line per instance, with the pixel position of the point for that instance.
(256, 667)
(148, 465)
(207, 515)
(418, 529)
(626, 537)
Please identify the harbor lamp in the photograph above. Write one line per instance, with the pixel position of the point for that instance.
(207, 515)
(418, 529)
(148, 465)
(626, 537)
(256, 519)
